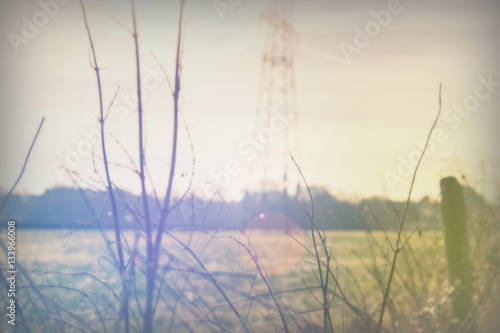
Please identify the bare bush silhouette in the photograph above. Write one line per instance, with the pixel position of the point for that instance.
(153, 277)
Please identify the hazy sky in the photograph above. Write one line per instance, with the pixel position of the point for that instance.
(363, 104)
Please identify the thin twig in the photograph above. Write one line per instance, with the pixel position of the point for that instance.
(401, 226)
(109, 184)
(24, 166)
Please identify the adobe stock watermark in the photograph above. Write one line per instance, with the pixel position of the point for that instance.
(454, 117)
(122, 108)
(430, 316)
(32, 25)
(223, 6)
(364, 36)
(248, 150)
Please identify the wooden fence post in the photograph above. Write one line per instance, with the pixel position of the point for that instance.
(457, 247)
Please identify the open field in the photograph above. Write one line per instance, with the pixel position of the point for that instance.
(421, 279)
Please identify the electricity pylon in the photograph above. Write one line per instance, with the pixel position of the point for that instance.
(276, 114)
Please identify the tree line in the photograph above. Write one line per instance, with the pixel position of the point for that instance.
(72, 208)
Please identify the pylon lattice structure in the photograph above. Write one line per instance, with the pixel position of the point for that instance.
(276, 121)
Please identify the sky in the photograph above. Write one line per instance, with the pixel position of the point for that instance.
(367, 77)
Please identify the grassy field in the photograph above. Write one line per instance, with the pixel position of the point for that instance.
(360, 265)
